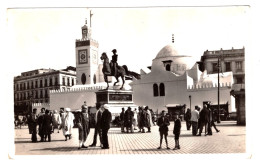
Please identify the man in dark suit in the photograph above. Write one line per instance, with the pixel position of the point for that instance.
(105, 125)
(97, 126)
(32, 124)
(163, 123)
(204, 119)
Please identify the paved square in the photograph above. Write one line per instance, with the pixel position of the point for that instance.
(230, 139)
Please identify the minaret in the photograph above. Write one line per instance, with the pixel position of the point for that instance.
(86, 57)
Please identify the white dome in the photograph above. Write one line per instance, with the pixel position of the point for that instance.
(167, 51)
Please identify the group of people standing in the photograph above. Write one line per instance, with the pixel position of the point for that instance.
(199, 119)
(47, 121)
(131, 120)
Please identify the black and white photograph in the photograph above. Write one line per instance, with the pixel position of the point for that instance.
(129, 80)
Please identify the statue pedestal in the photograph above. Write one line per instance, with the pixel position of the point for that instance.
(116, 100)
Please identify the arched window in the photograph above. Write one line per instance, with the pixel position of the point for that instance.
(83, 78)
(168, 67)
(95, 79)
(162, 90)
(155, 90)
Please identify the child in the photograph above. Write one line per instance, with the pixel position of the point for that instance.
(163, 123)
(176, 130)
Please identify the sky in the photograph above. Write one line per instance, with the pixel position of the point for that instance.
(45, 38)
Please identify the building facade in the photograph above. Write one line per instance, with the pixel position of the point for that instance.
(230, 60)
(34, 86)
(175, 80)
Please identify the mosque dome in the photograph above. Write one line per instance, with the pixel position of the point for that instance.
(169, 59)
(167, 51)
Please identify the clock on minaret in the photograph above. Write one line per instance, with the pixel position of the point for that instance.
(83, 57)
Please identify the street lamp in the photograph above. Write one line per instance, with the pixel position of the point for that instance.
(218, 121)
(190, 100)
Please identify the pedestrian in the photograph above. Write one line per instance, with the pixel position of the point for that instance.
(105, 125)
(213, 121)
(187, 118)
(148, 118)
(194, 120)
(98, 130)
(56, 120)
(82, 121)
(47, 126)
(129, 120)
(163, 123)
(62, 117)
(141, 119)
(32, 124)
(68, 123)
(177, 130)
(122, 120)
(135, 119)
(204, 119)
(40, 123)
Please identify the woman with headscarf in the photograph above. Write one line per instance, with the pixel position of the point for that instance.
(68, 123)
(56, 120)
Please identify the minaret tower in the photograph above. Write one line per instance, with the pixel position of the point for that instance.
(86, 57)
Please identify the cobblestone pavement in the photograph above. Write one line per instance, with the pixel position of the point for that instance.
(230, 139)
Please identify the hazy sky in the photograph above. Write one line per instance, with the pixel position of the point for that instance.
(45, 38)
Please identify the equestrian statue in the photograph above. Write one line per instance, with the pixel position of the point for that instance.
(113, 69)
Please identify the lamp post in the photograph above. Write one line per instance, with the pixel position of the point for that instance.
(218, 121)
(190, 100)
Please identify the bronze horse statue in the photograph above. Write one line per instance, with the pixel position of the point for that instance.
(121, 71)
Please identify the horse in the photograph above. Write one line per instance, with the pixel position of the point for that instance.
(121, 71)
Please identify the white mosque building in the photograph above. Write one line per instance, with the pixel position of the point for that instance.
(175, 81)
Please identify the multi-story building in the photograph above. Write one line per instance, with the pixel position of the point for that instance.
(33, 86)
(229, 60)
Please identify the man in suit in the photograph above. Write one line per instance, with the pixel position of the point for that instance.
(97, 126)
(204, 119)
(105, 125)
(32, 124)
(122, 118)
(163, 123)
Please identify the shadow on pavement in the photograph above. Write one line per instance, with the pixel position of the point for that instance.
(17, 142)
(62, 149)
(153, 149)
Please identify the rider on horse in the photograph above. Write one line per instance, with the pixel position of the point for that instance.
(113, 63)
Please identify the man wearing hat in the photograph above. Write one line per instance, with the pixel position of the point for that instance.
(163, 123)
(83, 125)
(113, 63)
(105, 125)
(176, 129)
(32, 124)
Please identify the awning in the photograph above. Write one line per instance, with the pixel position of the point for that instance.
(173, 105)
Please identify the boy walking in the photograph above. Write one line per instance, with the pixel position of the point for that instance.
(177, 129)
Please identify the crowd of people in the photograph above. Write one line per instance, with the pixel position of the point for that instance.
(47, 121)
(131, 120)
(201, 119)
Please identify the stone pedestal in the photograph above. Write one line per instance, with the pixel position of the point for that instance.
(116, 100)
